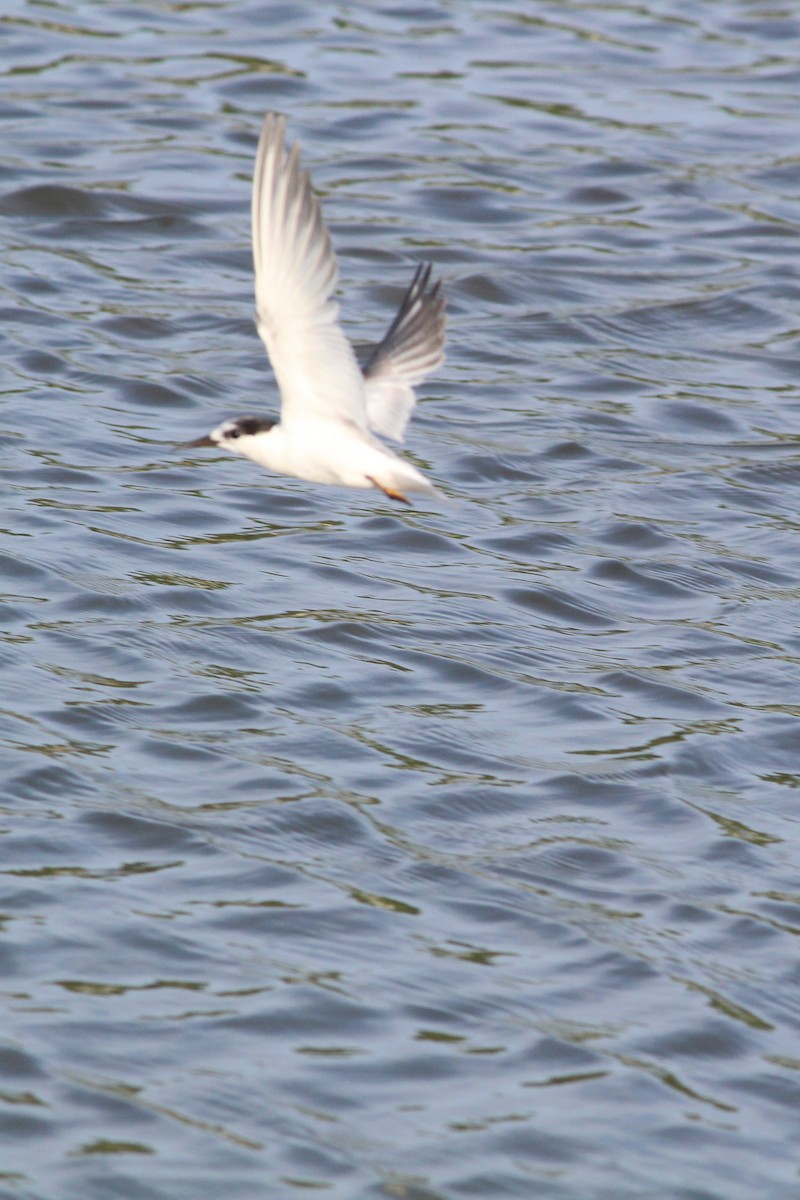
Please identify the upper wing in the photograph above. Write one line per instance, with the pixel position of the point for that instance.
(296, 273)
(411, 349)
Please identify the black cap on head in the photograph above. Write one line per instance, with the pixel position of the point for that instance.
(251, 425)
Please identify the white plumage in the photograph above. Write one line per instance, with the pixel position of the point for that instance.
(330, 408)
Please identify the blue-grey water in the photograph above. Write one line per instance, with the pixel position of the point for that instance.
(360, 852)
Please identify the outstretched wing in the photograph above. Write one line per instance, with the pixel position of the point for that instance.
(412, 348)
(296, 272)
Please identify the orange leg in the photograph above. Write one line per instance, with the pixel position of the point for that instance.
(392, 493)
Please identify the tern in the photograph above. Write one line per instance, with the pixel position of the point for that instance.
(330, 408)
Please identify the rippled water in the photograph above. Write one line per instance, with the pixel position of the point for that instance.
(369, 853)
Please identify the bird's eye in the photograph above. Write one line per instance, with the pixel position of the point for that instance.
(234, 433)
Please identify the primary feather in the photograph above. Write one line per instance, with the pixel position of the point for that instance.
(412, 348)
(295, 274)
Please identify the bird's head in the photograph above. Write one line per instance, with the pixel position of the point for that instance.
(237, 435)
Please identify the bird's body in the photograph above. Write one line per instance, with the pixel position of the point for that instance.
(330, 408)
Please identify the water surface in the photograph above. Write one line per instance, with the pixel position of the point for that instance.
(437, 853)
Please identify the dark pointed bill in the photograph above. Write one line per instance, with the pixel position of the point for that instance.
(202, 441)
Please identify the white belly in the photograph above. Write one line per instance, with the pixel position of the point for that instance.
(334, 452)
